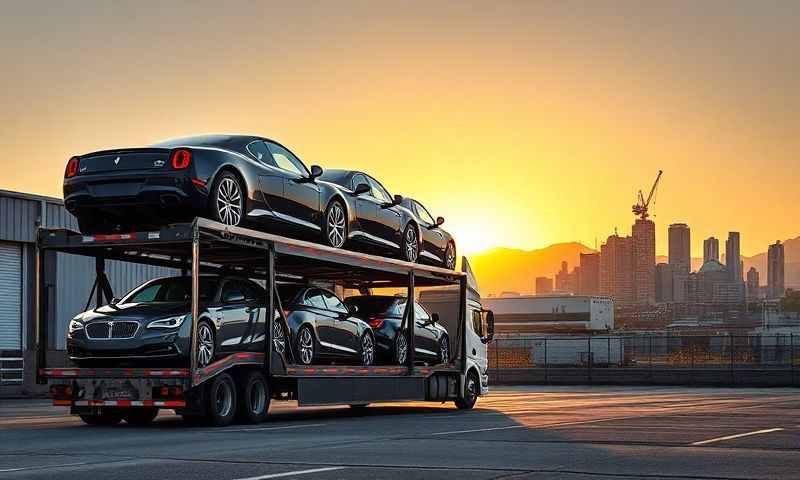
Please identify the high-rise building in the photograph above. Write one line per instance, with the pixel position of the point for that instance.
(733, 260)
(544, 285)
(752, 284)
(710, 249)
(775, 276)
(616, 269)
(644, 261)
(680, 253)
(664, 283)
(589, 274)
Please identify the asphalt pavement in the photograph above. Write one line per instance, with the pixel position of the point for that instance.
(560, 433)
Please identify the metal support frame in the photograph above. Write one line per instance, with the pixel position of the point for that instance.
(411, 323)
(268, 322)
(462, 321)
(195, 297)
(41, 316)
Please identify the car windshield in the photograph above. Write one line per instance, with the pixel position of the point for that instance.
(172, 289)
(377, 305)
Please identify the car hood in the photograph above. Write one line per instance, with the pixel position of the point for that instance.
(135, 311)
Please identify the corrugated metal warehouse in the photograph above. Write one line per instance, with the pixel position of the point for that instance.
(20, 216)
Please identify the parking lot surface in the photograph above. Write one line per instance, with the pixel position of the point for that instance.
(526, 432)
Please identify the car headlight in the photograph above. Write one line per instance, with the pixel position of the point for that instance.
(172, 322)
(74, 326)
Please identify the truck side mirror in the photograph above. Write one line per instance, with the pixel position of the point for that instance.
(489, 327)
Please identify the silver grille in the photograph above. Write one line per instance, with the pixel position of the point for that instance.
(108, 330)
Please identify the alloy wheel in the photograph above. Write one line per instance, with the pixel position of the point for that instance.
(278, 337)
(306, 345)
(336, 225)
(229, 201)
(367, 350)
(205, 345)
(402, 348)
(411, 244)
(444, 350)
(450, 257)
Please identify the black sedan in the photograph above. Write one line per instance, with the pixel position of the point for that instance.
(381, 224)
(385, 314)
(438, 246)
(153, 322)
(321, 328)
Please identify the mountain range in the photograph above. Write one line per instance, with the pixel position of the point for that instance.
(503, 269)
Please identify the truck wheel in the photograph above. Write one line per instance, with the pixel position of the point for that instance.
(140, 416)
(221, 400)
(470, 395)
(107, 416)
(253, 397)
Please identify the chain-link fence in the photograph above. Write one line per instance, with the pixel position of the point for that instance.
(758, 360)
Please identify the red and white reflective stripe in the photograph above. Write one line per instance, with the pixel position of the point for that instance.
(167, 373)
(122, 403)
(111, 237)
(128, 372)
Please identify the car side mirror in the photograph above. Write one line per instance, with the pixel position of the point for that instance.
(114, 301)
(352, 309)
(398, 199)
(234, 296)
(434, 317)
(439, 221)
(361, 189)
(316, 171)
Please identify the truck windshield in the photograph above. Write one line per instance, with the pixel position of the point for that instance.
(173, 289)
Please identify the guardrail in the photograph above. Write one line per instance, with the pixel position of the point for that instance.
(748, 360)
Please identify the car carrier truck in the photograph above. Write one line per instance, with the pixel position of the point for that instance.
(242, 385)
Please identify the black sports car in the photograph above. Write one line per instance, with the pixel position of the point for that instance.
(385, 314)
(153, 322)
(237, 180)
(381, 222)
(438, 246)
(322, 328)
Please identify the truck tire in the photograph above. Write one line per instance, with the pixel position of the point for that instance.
(221, 400)
(140, 416)
(107, 416)
(467, 399)
(253, 397)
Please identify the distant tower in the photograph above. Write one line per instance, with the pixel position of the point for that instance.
(616, 269)
(775, 276)
(752, 284)
(680, 254)
(710, 249)
(644, 261)
(589, 274)
(733, 259)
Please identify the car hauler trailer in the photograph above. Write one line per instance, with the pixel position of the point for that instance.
(247, 381)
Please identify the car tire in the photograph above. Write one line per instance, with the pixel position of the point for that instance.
(140, 416)
(335, 230)
(227, 200)
(400, 347)
(450, 256)
(206, 344)
(410, 248)
(367, 349)
(221, 400)
(469, 396)
(444, 350)
(306, 346)
(253, 397)
(106, 417)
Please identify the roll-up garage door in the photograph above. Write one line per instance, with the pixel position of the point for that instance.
(10, 296)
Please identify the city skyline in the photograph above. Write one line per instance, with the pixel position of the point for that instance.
(527, 125)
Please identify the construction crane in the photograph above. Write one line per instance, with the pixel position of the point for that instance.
(642, 205)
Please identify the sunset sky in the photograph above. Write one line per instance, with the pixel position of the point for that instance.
(522, 123)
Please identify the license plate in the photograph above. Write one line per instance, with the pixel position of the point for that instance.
(116, 190)
(119, 394)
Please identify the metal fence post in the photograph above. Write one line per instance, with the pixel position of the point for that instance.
(791, 355)
(650, 357)
(546, 380)
(730, 340)
(589, 364)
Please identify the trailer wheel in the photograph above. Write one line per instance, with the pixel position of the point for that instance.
(140, 416)
(470, 395)
(253, 397)
(107, 416)
(221, 398)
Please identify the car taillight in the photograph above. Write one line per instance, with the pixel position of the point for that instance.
(181, 159)
(375, 323)
(72, 168)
